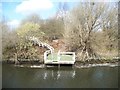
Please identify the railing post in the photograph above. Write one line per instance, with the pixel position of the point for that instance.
(74, 56)
(58, 56)
(45, 57)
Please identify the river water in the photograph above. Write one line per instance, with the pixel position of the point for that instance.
(63, 77)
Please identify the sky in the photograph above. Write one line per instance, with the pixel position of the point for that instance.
(16, 10)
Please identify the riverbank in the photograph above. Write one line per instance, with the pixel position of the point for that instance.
(78, 64)
(75, 66)
(96, 65)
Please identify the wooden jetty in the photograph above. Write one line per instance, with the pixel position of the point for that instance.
(54, 58)
(59, 58)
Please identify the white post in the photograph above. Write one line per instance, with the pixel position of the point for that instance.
(45, 57)
(74, 56)
(58, 56)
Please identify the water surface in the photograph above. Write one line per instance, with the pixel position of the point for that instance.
(64, 77)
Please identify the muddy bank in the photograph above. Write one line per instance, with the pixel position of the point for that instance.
(23, 62)
(75, 66)
(78, 64)
(95, 65)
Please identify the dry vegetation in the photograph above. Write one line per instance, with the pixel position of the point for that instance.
(89, 29)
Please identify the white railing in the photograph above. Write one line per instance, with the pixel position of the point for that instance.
(59, 58)
(65, 53)
(37, 41)
(51, 50)
(45, 54)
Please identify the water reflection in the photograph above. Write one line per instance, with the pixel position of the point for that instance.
(57, 74)
(45, 75)
(73, 74)
(53, 74)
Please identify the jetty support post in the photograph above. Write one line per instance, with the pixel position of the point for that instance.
(16, 59)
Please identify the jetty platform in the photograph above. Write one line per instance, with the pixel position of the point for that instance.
(59, 58)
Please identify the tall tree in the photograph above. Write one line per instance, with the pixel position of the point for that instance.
(53, 28)
(81, 24)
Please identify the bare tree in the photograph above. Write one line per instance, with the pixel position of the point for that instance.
(83, 22)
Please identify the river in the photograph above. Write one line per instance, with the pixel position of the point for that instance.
(63, 77)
